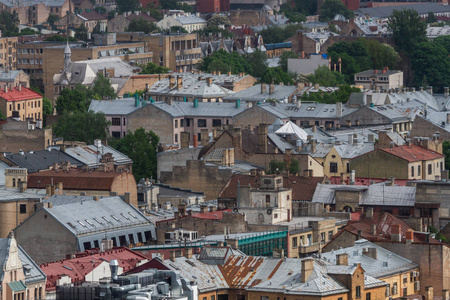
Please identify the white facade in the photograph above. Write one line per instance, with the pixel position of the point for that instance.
(190, 22)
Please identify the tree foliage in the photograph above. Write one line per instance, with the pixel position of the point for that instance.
(276, 34)
(225, 62)
(151, 68)
(218, 20)
(60, 38)
(176, 29)
(75, 100)
(174, 4)
(299, 7)
(408, 30)
(431, 18)
(277, 76)
(141, 147)
(52, 18)
(446, 152)
(324, 77)
(1, 116)
(284, 59)
(81, 33)
(381, 54)
(81, 126)
(101, 89)
(9, 23)
(128, 5)
(142, 25)
(330, 8)
(100, 10)
(340, 95)
(215, 30)
(258, 62)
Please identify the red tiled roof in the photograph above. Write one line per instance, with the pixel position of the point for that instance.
(75, 179)
(302, 188)
(384, 222)
(413, 153)
(84, 262)
(211, 215)
(367, 181)
(16, 95)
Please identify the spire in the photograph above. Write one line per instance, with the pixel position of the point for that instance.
(67, 49)
(67, 56)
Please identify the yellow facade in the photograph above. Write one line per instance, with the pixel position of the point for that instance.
(334, 164)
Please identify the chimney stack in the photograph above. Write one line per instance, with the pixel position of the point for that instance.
(445, 295)
(263, 87)
(339, 109)
(409, 236)
(429, 293)
(179, 82)
(271, 88)
(171, 82)
(373, 229)
(396, 235)
(173, 255)
(446, 92)
(307, 269)
(342, 259)
(430, 90)
(262, 137)
(209, 81)
(313, 145)
(369, 212)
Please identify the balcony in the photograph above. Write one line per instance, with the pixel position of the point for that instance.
(314, 247)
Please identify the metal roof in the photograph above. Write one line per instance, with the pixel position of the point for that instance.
(56, 200)
(12, 194)
(119, 107)
(188, 19)
(35, 161)
(386, 11)
(204, 109)
(386, 262)
(9, 75)
(90, 155)
(306, 110)
(254, 93)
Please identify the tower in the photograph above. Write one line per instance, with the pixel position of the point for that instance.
(67, 56)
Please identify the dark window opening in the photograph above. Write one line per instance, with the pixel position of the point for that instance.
(87, 245)
(23, 208)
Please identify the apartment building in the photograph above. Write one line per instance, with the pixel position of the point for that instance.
(21, 103)
(35, 12)
(8, 52)
(176, 51)
(382, 79)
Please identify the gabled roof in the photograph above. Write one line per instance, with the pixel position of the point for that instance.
(254, 93)
(90, 155)
(413, 153)
(16, 95)
(205, 109)
(119, 107)
(93, 15)
(291, 128)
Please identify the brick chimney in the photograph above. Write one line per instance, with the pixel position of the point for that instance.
(263, 87)
(409, 236)
(342, 259)
(173, 255)
(189, 253)
(205, 137)
(271, 88)
(445, 295)
(203, 208)
(373, 229)
(369, 212)
(262, 137)
(184, 140)
(179, 82)
(429, 293)
(171, 82)
(237, 138)
(396, 235)
(307, 269)
(195, 141)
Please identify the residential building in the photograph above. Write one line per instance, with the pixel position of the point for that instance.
(427, 126)
(422, 9)
(101, 157)
(89, 266)
(403, 162)
(268, 274)
(18, 136)
(14, 78)
(215, 6)
(20, 277)
(395, 235)
(78, 226)
(80, 6)
(85, 72)
(94, 183)
(89, 19)
(121, 21)
(176, 51)
(379, 79)
(431, 202)
(21, 103)
(402, 274)
(36, 12)
(190, 22)
(262, 92)
(276, 50)
(312, 40)
(308, 65)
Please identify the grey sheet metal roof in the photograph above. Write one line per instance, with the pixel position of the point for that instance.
(3, 166)
(389, 196)
(204, 109)
(10, 75)
(92, 217)
(120, 107)
(281, 144)
(35, 161)
(386, 263)
(189, 19)
(353, 150)
(90, 155)
(306, 110)
(386, 11)
(254, 93)
(439, 119)
(417, 99)
(325, 193)
(12, 194)
(56, 200)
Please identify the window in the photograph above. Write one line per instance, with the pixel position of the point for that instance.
(176, 138)
(267, 200)
(418, 170)
(367, 296)
(412, 171)
(294, 242)
(405, 279)
(358, 292)
(23, 208)
(330, 234)
(201, 122)
(430, 169)
(348, 167)
(116, 134)
(442, 168)
(176, 123)
(394, 289)
(322, 237)
(182, 123)
(14, 182)
(333, 167)
(216, 122)
(213, 297)
(115, 121)
(188, 122)
(18, 106)
(388, 290)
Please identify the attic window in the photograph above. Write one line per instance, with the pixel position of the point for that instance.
(104, 218)
(71, 225)
(123, 215)
(98, 221)
(132, 215)
(81, 223)
(115, 218)
(68, 268)
(89, 222)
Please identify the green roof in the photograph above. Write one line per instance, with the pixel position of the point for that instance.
(17, 286)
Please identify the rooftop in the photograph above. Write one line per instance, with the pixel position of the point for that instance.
(90, 155)
(413, 153)
(120, 107)
(253, 94)
(204, 109)
(15, 94)
(386, 11)
(378, 72)
(13, 194)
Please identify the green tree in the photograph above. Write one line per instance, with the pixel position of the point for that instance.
(75, 100)
(141, 147)
(276, 34)
(408, 30)
(277, 76)
(217, 20)
(324, 77)
(430, 62)
(215, 30)
(330, 8)
(97, 28)
(443, 40)
(128, 5)
(446, 152)
(179, 29)
(258, 61)
(284, 59)
(225, 62)
(142, 25)
(303, 7)
(1, 116)
(111, 14)
(294, 166)
(60, 38)
(52, 18)
(151, 68)
(174, 4)
(81, 126)
(431, 18)
(81, 33)
(9, 23)
(381, 55)
(340, 95)
(100, 10)
(101, 89)
(276, 166)
(47, 109)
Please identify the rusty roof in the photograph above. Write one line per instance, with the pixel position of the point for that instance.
(413, 153)
(75, 179)
(302, 188)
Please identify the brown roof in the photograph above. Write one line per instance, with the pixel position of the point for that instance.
(302, 188)
(75, 179)
(413, 153)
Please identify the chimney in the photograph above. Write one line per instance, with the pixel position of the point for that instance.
(342, 259)
(237, 138)
(169, 101)
(430, 90)
(262, 137)
(271, 88)
(20, 87)
(373, 229)
(339, 109)
(369, 212)
(96, 198)
(203, 208)
(195, 141)
(23, 186)
(179, 82)
(314, 128)
(446, 92)
(409, 236)
(429, 293)
(173, 255)
(188, 253)
(299, 103)
(209, 81)
(444, 175)
(445, 295)
(128, 198)
(396, 235)
(307, 269)
(375, 71)
(171, 82)
(205, 137)
(263, 87)
(184, 140)
(181, 209)
(313, 145)
(147, 88)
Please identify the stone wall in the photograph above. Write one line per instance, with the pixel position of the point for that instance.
(169, 159)
(423, 128)
(15, 136)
